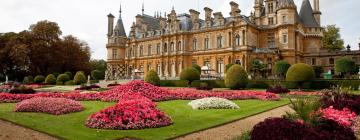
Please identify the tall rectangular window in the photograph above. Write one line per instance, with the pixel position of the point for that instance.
(219, 41)
(313, 61)
(285, 38)
(149, 50)
(331, 61)
(194, 46)
(158, 49)
(114, 54)
(271, 40)
(206, 43)
(220, 67)
(271, 20)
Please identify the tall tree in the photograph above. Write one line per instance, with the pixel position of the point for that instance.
(332, 38)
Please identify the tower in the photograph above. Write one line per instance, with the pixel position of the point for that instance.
(110, 25)
(317, 12)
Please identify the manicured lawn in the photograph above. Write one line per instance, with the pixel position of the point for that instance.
(185, 119)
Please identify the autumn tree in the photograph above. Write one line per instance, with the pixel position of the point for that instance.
(332, 38)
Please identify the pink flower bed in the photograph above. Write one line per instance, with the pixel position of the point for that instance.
(191, 94)
(304, 93)
(55, 106)
(344, 117)
(132, 112)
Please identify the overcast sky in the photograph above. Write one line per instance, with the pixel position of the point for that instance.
(87, 19)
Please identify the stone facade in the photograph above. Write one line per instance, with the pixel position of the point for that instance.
(274, 31)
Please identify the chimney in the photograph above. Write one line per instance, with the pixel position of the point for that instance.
(208, 13)
(110, 24)
(194, 15)
(235, 11)
(138, 20)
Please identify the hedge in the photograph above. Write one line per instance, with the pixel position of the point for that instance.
(256, 84)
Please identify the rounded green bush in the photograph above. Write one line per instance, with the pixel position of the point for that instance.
(197, 67)
(97, 75)
(153, 78)
(79, 78)
(190, 74)
(39, 79)
(70, 82)
(300, 73)
(236, 77)
(62, 78)
(31, 79)
(50, 79)
(228, 66)
(56, 74)
(26, 80)
(345, 65)
(69, 74)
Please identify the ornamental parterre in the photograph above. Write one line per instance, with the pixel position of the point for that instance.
(136, 107)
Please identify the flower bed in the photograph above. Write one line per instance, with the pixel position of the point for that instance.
(132, 112)
(55, 106)
(344, 117)
(213, 103)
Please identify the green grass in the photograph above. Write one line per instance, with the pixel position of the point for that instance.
(185, 119)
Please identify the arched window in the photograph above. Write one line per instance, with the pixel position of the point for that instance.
(149, 50)
(158, 49)
(179, 46)
(194, 46)
(141, 50)
(165, 47)
(237, 40)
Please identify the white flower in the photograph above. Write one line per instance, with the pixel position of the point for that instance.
(213, 103)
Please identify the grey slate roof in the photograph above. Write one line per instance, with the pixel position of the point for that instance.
(151, 22)
(306, 15)
(286, 4)
(119, 29)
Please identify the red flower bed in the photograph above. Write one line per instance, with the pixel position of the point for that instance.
(132, 112)
(344, 117)
(191, 94)
(55, 106)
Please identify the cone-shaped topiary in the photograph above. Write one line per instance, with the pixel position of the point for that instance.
(79, 78)
(190, 74)
(153, 78)
(50, 79)
(236, 77)
(300, 73)
(39, 79)
(62, 78)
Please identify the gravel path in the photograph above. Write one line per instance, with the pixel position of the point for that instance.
(232, 130)
(10, 131)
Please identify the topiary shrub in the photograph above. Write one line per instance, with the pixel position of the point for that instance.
(300, 73)
(79, 78)
(50, 79)
(212, 103)
(69, 74)
(282, 129)
(62, 78)
(281, 67)
(228, 66)
(153, 78)
(69, 83)
(190, 74)
(39, 79)
(197, 67)
(236, 77)
(26, 80)
(97, 75)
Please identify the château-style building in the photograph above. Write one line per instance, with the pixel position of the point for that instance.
(275, 30)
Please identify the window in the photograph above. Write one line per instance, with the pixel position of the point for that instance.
(238, 62)
(158, 49)
(179, 46)
(194, 46)
(130, 52)
(172, 46)
(313, 61)
(207, 63)
(220, 67)
(219, 41)
(331, 61)
(114, 54)
(271, 21)
(243, 37)
(230, 37)
(271, 8)
(142, 68)
(158, 69)
(141, 50)
(237, 40)
(165, 47)
(271, 40)
(207, 43)
(285, 38)
(149, 50)
(284, 19)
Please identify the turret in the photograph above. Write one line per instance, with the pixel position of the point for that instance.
(286, 12)
(317, 12)
(110, 24)
(259, 5)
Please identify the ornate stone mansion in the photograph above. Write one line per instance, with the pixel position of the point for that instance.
(274, 30)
